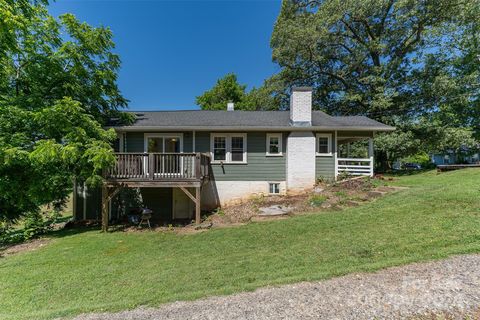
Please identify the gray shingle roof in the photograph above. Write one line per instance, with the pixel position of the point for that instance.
(246, 119)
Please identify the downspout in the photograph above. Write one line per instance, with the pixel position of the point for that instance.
(193, 142)
(335, 156)
(74, 199)
(84, 201)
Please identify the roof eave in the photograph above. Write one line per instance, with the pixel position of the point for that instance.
(251, 128)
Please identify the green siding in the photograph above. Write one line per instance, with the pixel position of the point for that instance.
(325, 166)
(134, 142)
(93, 203)
(259, 167)
(187, 142)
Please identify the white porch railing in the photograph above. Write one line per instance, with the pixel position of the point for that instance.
(356, 167)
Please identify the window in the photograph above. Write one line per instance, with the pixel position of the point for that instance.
(163, 142)
(274, 188)
(219, 148)
(274, 144)
(229, 147)
(324, 144)
(237, 149)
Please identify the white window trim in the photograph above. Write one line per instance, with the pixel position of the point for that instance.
(162, 135)
(279, 188)
(121, 141)
(274, 135)
(329, 138)
(228, 147)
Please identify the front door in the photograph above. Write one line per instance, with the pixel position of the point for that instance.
(182, 205)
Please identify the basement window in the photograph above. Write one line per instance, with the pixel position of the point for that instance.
(274, 188)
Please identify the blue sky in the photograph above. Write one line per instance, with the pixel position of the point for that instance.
(172, 51)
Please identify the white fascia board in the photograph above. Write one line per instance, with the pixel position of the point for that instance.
(242, 129)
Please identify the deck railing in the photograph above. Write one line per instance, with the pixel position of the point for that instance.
(357, 167)
(159, 166)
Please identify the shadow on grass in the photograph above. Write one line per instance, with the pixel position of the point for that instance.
(71, 231)
(402, 173)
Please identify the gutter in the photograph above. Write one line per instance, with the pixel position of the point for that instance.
(246, 128)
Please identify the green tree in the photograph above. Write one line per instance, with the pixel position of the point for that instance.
(55, 94)
(364, 57)
(227, 89)
(402, 62)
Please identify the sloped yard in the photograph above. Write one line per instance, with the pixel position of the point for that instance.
(83, 270)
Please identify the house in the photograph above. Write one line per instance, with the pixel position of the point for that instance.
(451, 157)
(181, 162)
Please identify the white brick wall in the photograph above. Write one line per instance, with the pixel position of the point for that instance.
(301, 106)
(300, 161)
(232, 191)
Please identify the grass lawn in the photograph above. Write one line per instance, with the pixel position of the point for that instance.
(82, 271)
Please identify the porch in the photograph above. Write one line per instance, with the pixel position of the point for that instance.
(354, 156)
(186, 171)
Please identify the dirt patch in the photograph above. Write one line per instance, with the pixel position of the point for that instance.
(324, 197)
(24, 247)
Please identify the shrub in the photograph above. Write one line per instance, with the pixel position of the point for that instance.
(219, 211)
(421, 158)
(317, 200)
(34, 225)
(324, 180)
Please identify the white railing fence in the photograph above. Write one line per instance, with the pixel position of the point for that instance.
(356, 167)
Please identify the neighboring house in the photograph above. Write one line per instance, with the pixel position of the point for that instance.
(182, 162)
(454, 158)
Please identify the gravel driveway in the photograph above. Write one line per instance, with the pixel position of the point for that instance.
(451, 285)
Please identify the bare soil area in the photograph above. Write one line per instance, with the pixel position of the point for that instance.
(324, 197)
(23, 247)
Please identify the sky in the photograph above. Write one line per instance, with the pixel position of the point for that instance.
(173, 51)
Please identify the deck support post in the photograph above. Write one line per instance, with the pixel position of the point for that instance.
(197, 205)
(196, 200)
(104, 208)
(107, 196)
(370, 154)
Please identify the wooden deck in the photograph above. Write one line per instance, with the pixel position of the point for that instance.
(159, 169)
(156, 170)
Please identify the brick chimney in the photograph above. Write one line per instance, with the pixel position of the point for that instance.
(301, 107)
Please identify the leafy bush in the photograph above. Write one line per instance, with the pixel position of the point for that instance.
(9, 235)
(317, 200)
(219, 211)
(326, 180)
(421, 158)
(34, 225)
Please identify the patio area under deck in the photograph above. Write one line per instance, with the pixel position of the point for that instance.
(156, 170)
